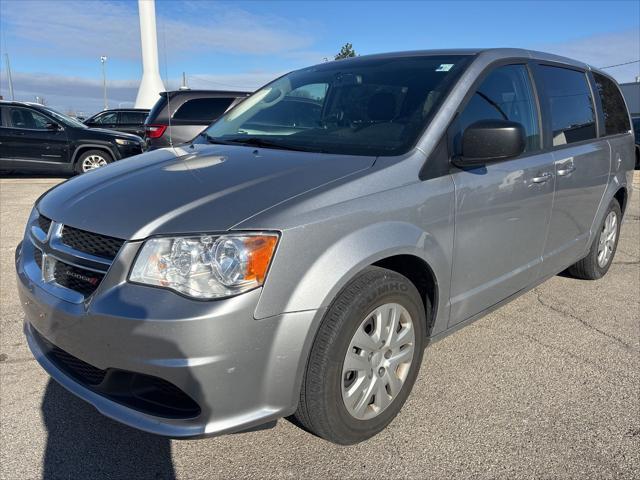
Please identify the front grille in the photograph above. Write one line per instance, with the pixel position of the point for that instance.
(139, 391)
(70, 267)
(93, 243)
(44, 223)
(75, 367)
(78, 279)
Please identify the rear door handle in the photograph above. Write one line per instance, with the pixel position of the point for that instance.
(543, 178)
(565, 167)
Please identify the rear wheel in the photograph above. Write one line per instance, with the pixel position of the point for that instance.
(91, 160)
(600, 257)
(365, 358)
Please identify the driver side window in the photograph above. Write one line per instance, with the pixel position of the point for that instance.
(506, 94)
(26, 118)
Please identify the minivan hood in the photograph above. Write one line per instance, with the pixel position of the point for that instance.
(190, 189)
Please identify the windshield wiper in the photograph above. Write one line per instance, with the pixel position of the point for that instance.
(215, 141)
(260, 142)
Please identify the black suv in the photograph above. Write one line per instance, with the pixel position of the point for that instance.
(128, 120)
(35, 137)
(189, 112)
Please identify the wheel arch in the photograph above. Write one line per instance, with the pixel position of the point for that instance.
(621, 196)
(85, 147)
(421, 275)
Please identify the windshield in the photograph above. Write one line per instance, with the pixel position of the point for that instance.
(368, 106)
(65, 119)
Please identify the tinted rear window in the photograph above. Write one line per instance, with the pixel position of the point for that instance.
(616, 118)
(203, 109)
(570, 105)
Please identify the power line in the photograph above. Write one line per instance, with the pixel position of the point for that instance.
(198, 78)
(620, 64)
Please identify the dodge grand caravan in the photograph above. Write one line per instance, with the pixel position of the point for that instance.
(296, 261)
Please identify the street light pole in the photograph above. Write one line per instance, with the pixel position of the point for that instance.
(6, 56)
(103, 61)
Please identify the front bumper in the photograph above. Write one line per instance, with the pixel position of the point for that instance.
(130, 150)
(241, 372)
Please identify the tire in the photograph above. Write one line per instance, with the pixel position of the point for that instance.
(322, 409)
(590, 267)
(100, 158)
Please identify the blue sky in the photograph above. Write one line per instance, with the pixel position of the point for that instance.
(55, 45)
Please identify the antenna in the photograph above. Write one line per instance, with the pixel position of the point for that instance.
(166, 78)
(184, 85)
(6, 56)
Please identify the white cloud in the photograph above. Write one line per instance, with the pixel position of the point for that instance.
(604, 49)
(81, 28)
(85, 94)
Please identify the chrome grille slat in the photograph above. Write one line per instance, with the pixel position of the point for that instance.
(77, 262)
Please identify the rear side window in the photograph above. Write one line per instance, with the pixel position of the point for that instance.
(616, 119)
(506, 94)
(136, 118)
(202, 109)
(570, 105)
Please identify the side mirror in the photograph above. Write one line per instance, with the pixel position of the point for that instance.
(54, 127)
(489, 141)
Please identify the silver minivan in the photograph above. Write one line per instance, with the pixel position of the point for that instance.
(296, 258)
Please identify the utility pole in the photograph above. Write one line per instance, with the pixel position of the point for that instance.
(6, 56)
(103, 61)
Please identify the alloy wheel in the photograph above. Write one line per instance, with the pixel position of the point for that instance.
(92, 162)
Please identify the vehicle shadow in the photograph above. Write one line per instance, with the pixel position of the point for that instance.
(83, 444)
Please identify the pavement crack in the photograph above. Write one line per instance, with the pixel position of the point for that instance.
(580, 320)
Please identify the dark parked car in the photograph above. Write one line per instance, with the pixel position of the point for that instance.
(189, 112)
(35, 137)
(128, 120)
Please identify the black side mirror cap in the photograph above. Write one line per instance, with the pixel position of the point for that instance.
(53, 126)
(488, 141)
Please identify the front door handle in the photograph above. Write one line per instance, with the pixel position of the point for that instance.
(565, 167)
(543, 178)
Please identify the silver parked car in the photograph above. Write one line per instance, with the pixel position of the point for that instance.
(296, 258)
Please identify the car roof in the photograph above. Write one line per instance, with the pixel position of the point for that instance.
(236, 93)
(124, 110)
(22, 104)
(498, 53)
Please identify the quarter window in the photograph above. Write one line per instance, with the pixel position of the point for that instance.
(570, 105)
(506, 94)
(616, 118)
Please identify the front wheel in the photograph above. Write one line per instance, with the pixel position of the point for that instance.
(91, 160)
(365, 358)
(603, 248)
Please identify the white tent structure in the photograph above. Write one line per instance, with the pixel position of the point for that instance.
(151, 84)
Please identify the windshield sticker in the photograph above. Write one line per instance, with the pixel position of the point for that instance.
(444, 67)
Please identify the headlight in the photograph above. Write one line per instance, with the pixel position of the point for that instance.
(122, 141)
(205, 266)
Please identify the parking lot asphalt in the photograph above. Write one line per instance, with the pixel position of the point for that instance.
(547, 386)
